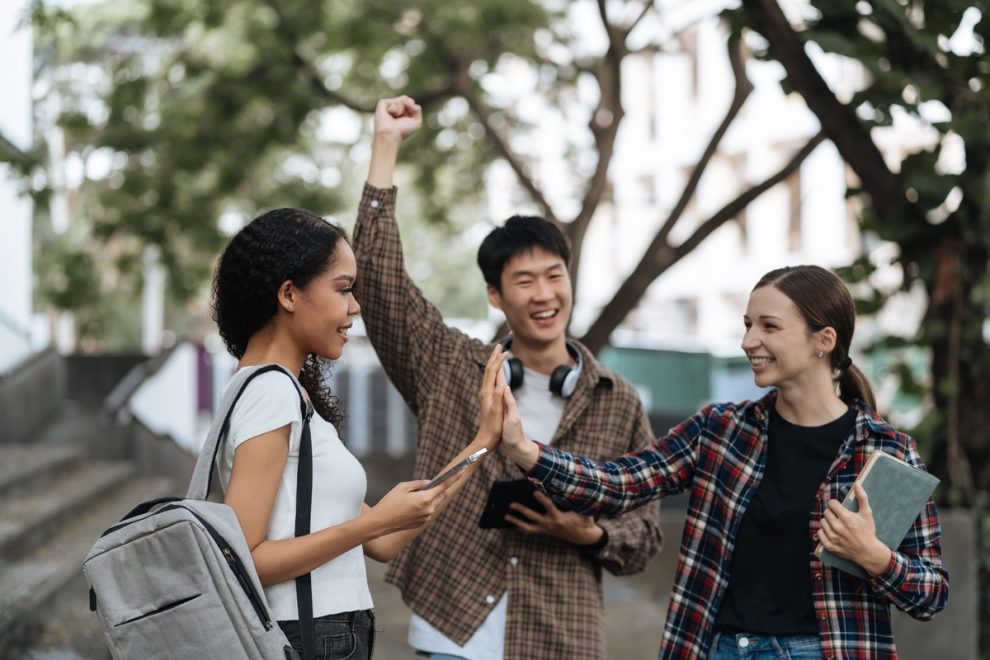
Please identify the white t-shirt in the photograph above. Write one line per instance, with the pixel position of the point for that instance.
(540, 411)
(269, 402)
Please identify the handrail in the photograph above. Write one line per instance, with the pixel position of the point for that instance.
(14, 326)
(121, 394)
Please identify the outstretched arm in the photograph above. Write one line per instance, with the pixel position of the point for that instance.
(611, 487)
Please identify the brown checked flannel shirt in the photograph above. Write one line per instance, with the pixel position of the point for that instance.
(455, 572)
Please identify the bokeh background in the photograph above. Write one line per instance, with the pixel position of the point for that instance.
(685, 147)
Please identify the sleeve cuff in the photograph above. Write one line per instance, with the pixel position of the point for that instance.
(891, 579)
(544, 468)
(373, 199)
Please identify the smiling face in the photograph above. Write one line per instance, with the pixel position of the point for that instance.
(322, 311)
(781, 348)
(535, 297)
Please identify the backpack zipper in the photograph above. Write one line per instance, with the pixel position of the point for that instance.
(238, 569)
(236, 566)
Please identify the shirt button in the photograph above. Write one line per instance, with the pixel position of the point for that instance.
(375, 203)
(743, 642)
(514, 560)
(490, 599)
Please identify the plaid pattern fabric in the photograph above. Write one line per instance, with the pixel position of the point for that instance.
(719, 456)
(455, 572)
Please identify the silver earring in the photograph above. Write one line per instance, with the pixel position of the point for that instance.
(820, 355)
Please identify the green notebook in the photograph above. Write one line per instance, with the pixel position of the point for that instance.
(898, 492)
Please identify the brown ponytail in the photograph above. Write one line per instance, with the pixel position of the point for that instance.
(853, 384)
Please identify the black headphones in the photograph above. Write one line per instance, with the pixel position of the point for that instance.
(563, 379)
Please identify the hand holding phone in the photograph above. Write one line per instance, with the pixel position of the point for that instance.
(454, 469)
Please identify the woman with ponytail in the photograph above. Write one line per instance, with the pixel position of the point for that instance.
(765, 480)
(283, 294)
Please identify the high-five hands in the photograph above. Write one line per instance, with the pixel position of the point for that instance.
(520, 449)
(492, 399)
(566, 525)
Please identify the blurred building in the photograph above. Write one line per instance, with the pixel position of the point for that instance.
(15, 209)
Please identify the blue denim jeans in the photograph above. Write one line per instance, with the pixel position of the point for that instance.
(343, 636)
(765, 647)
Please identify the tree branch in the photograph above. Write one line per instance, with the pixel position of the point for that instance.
(905, 52)
(636, 21)
(465, 88)
(604, 126)
(743, 88)
(838, 121)
(312, 75)
(603, 12)
(655, 262)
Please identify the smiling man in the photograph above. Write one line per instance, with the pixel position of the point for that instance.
(532, 590)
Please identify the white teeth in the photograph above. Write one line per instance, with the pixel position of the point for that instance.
(760, 361)
(545, 315)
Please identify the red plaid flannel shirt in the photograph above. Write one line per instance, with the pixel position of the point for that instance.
(719, 456)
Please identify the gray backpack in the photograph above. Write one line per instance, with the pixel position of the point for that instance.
(174, 578)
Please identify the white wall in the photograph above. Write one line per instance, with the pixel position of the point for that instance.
(15, 210)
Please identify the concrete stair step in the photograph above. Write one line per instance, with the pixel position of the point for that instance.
(44, 603)
(22, 466)
(29, 519)
(75, 425)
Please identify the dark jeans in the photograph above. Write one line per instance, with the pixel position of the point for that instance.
(765, 647)
(343, 636)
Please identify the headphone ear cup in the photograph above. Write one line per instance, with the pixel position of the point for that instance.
(512, 369)
(558, 380)
(570, 383)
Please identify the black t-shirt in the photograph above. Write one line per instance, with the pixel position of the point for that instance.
(769, 588)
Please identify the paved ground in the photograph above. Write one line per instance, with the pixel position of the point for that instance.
(635, 608)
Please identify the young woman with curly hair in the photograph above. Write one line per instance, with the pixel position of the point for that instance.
(283, 294)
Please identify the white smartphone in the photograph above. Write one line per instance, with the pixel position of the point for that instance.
(454, 469)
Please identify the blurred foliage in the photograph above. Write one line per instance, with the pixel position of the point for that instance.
(177, 113)
(926, 65)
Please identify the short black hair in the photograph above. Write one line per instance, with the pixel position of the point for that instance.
(520, 233)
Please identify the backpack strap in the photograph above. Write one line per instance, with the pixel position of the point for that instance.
(202, 478)
(199, 485)
(304, 505)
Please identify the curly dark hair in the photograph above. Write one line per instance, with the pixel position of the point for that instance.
(284, 244)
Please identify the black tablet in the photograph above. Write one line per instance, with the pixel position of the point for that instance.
(503, 493)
